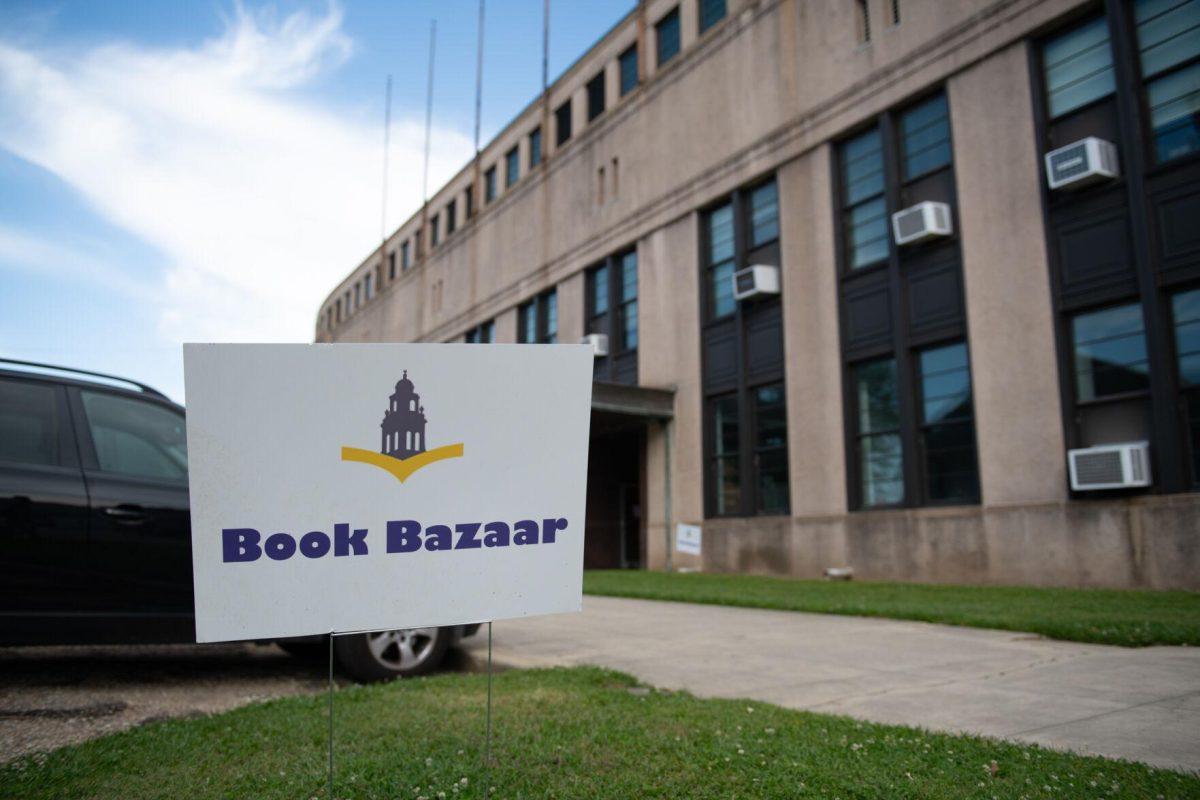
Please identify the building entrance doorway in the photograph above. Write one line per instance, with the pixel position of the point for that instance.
(615, 536)
(613, 539)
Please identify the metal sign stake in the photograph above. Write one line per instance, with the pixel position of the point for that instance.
(487, 746)
(331, 715)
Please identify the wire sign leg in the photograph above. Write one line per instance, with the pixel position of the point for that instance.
(330, 795)
(487, 745)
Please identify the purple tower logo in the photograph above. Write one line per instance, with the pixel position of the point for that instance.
(403, 423)
(402, 449)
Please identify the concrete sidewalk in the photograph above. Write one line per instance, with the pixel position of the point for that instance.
(1141, 704)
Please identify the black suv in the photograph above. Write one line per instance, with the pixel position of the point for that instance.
(95, 539)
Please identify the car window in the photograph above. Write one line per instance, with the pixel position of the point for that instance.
(28, 423)
(136, 438)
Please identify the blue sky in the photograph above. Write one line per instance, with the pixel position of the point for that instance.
(206, 171)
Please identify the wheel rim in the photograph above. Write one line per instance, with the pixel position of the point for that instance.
(402, 650)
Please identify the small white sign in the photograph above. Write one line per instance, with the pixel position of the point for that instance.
(369, 487)
(687, 539)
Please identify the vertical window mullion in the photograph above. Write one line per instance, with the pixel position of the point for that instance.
(900, 346)
(747, 477)
(1166, 451)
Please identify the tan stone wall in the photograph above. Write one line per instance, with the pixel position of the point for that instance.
(816, 448)
(1018, 416)
(1149, 543)
(669, 357)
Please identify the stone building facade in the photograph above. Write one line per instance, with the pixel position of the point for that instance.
(905, 409)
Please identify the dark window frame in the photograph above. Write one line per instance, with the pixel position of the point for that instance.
(483, 333)
(451, 214)
(628, 56)
(596, 95)
(672, 17)
(704, 14)
(512, 167)
(535, 147)
(924, 425)
(562, 123)
(490, 188)
(610, 321)
(540, 305)
(1150, 284)
(905, 340)
(746, 385)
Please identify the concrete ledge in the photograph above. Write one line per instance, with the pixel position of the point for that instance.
(1142, 543)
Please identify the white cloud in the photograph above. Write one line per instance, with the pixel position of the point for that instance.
(260, 200)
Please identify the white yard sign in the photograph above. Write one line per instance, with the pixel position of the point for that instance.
(379, 486)
(687, 539)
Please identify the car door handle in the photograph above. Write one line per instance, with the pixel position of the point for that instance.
(126, 515)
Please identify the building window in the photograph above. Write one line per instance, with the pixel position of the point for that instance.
(1110, 353)
(599, 279)
(484, 333)
(367, 286)
(770, 449)
(925, 137)
(392, 266)
(535, 147)
(742, 349)
(726, 455)
(629, 70)
(1185, 314)
(910, 428)
(895, 12)
(711, 12)
(1078, 67)
(418, 253)
(451, 216)
(862, 18)
(337, 306)
(627, 311)
(469, 201)
(434, 235)
(1168, 36)
(666, 33)
(512, 167)
(357, 295)
(404, 262)
(864, 210)
(947, 425)
(562, 124)
(349, 310)
(764, 214)
(611, 309)
(720, 256)
(595, 96)
(537, 319)
(489, 185)
(878, 448)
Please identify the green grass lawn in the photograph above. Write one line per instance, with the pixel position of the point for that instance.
(563, 733)
(1121, 617)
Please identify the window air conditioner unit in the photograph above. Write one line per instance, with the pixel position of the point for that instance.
(1110, 466)
(927, 220)
(754, 281)
(1082, 163)
(599, 343)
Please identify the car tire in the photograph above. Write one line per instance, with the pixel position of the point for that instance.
(384, 655)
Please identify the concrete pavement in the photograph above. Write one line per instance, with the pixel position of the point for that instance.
(1141, 704)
